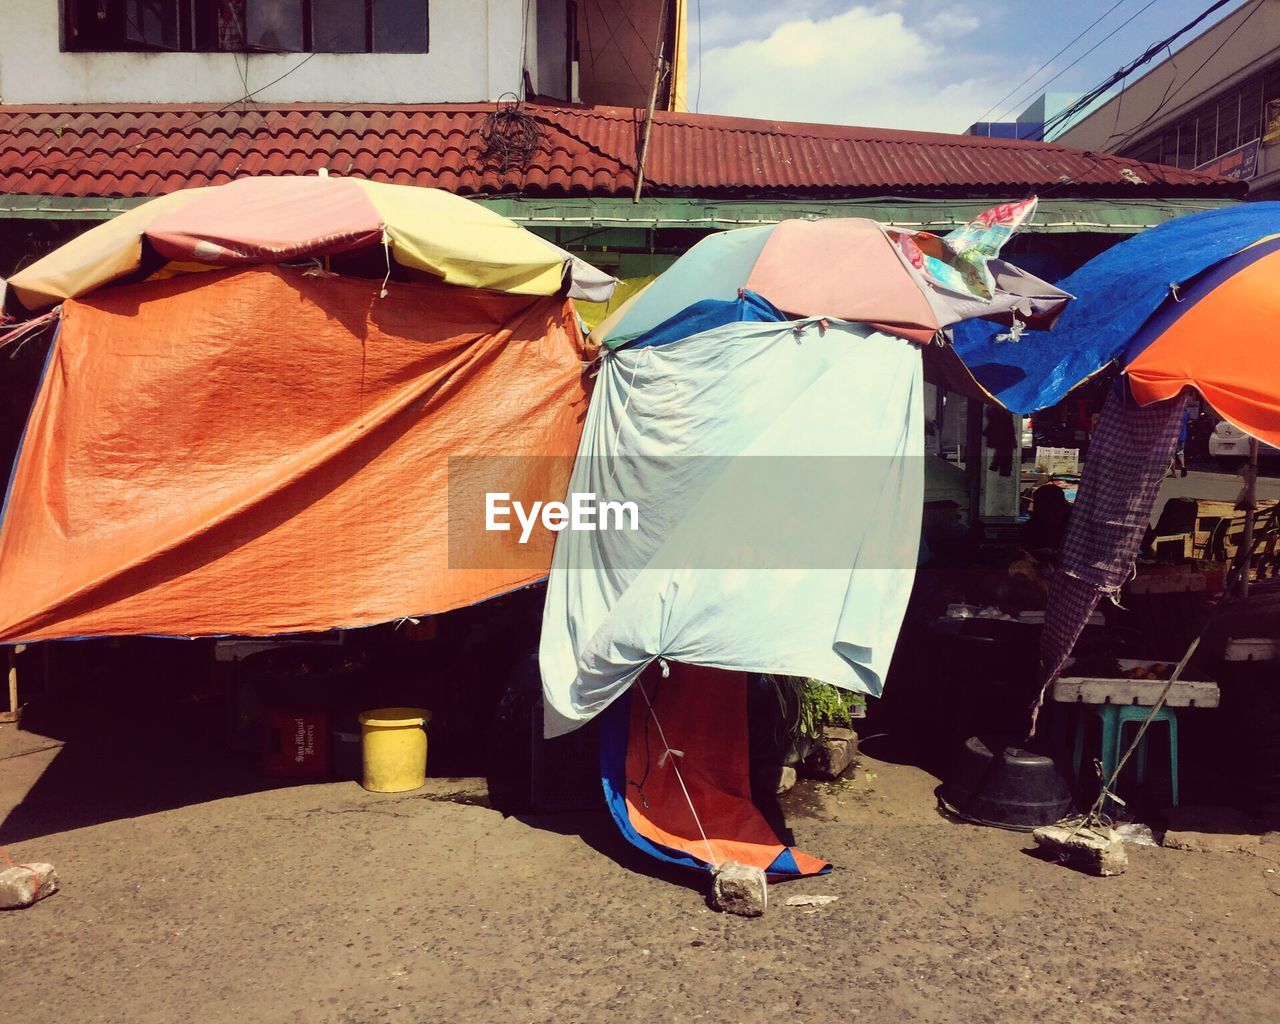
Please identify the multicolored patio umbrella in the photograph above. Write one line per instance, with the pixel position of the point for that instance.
(1192, 303)
(1220, 336)
(912, 284)
(289, 219)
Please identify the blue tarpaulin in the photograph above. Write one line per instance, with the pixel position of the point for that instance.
(1115, 293)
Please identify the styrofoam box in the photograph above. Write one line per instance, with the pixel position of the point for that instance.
(1185, 693)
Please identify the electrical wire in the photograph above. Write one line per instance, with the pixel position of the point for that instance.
(1140, 11)
(1145, 57)
(697, 96)
(1096, 22)
(1170, 95)
(98, 158)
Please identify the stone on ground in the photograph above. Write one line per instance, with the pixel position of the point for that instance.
(22, 885)
(832, 757)
(1095, 851)
(739, 889)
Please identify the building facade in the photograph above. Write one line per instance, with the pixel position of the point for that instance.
(1212, 106)
(87, 52)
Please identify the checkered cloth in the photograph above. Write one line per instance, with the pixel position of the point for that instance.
(1129, 455)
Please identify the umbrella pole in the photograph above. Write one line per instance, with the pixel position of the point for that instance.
(1250, 506)
(973, 462)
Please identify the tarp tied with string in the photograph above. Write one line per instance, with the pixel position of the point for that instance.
(265, 448)
(760, 403)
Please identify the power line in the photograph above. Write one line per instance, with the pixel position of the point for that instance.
(983, 115)
(697, 96)
(1169, 95)
(1145, 57)
(1136, 14)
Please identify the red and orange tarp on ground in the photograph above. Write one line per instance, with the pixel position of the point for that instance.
(264, 451)
(675, 763)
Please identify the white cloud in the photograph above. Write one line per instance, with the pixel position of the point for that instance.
(723, 23)
(864, 66)
(954, 21)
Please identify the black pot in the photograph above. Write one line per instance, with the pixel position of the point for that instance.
(1013, 788)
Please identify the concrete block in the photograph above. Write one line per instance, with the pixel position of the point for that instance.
(1095, 851)
(833, 755)
(739, 889)
(21, 886)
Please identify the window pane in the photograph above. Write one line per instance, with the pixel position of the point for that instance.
(152, 23)
(1187, 142)
(400, 26)
(275, 24)
(1228, 123)
(1206, 134)
(219, 25)
(1148, 152)
(338, 26)
(1271, 83)
(1251, 110)
(88, 29)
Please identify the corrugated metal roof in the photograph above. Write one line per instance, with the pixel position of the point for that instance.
(585, 151)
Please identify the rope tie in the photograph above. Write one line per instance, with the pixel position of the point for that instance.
(35, 875)
(672, 755)
(386, 248)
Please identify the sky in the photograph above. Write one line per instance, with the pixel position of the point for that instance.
(931, 65)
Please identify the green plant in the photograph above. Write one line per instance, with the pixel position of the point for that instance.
(806, 705)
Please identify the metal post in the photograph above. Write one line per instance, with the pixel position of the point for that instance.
(1250, 507)
(659, 70)
(12, 714)
(974, 467)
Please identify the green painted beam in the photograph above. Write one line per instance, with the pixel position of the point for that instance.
(613, 222)
(64, 207)
(1054, 216)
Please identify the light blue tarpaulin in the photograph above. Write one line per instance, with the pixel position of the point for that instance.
(719, 267)
(777, 475)
(1115, 294)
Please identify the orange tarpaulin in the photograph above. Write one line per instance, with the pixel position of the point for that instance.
(262, 451)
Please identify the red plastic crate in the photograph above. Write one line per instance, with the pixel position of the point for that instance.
(296, 743)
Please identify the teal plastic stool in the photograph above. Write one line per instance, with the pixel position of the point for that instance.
(1114, 717)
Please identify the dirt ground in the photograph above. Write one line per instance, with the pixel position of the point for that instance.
(188, 898)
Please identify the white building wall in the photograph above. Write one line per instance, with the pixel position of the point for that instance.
(476, 55)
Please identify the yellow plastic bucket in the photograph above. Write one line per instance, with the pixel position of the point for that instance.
(394, 748)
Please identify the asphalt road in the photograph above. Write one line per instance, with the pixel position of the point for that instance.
(1215, 484)
(327, 904)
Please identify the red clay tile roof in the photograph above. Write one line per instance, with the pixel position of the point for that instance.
(144, 151)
